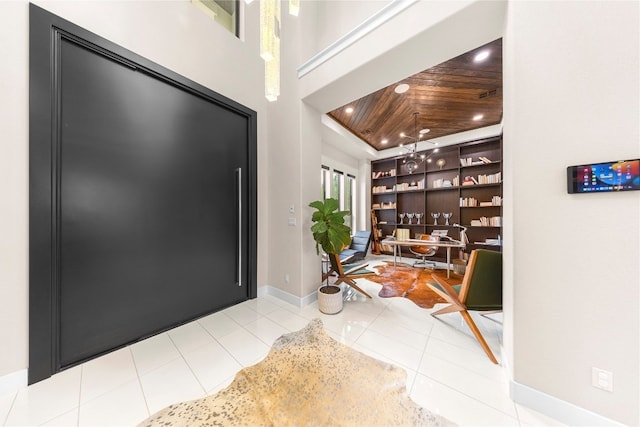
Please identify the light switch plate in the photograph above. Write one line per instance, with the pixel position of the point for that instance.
(602, 379)
(292, 222)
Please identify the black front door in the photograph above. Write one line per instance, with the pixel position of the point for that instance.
(149, 209)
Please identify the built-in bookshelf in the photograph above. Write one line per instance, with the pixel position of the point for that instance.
(462, 181)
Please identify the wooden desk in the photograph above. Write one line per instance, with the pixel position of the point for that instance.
(391, 241)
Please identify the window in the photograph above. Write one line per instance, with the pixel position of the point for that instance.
(350, 201)
(326, 186)
(224, 12)
(342, 188)
(337, 187)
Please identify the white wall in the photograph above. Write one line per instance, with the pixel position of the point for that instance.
(337, 18)
(310, 164)
(174, 34)
(337, 159)
(572, 97)
(285, 262)
(14, 199)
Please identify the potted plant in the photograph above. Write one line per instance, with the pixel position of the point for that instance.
(330, 233)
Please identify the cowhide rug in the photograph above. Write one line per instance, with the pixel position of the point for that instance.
(307, 379)
(411, 283)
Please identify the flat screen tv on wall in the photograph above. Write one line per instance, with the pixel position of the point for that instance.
(142, 197)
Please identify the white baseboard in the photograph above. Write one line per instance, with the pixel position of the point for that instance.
(565, 412)
(287, 297)
(13, 382)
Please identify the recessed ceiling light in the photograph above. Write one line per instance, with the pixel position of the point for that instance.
(348, 110)
(401, 145)
(478, 117)
(401, 88)
(384, 141)
(424, 131)
(481, 56)
(402, 135)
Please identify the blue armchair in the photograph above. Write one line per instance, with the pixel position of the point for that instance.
(358, 248)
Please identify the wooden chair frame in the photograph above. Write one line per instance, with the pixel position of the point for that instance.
(457, 303)
(348, 276)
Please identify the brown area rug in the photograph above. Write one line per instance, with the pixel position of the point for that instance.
(307, 379)
(411, 283)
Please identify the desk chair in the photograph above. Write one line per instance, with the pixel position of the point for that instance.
(480, 290)
(425, 251)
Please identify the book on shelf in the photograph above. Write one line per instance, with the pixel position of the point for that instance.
(382, 189)
(495, 201)
(468, 202)
(445, 183)
(489, 179)
(468, 161)
(489, 242)
(494, 178)
(388, 205)
(469, 180)
(410, 186)
(494, 221)
(383, 174)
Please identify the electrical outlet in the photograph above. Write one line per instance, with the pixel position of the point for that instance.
(286, 278)
(602, 379)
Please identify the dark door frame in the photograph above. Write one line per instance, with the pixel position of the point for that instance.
(45, 35)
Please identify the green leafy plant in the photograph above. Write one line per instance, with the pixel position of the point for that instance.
(328, 227)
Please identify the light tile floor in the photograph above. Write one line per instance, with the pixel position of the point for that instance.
(447, 371)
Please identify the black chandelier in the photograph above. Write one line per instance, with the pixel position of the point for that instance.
(411, 159)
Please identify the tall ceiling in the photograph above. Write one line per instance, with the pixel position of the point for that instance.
(449, 98)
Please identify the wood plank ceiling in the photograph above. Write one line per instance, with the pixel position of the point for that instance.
(446, 97)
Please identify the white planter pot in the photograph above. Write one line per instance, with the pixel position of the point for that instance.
(330, 303)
